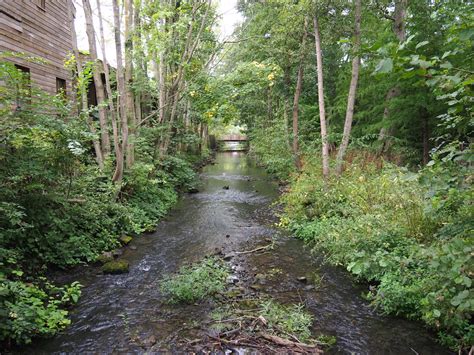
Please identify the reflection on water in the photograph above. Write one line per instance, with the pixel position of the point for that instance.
(117, 313)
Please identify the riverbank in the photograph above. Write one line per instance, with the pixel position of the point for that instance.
(407, 238)
(93, 218)
(229, 215)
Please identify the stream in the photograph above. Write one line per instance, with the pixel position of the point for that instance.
(127, 313)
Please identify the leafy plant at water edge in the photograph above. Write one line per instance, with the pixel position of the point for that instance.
(196, 282)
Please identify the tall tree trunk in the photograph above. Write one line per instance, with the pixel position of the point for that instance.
(352, 91)
(296, 99)
(286, 105)
(322, 109)
(129, 99)
(118, 173)
(99, 86)
(425, 135)
(399, 17)
(120, 82)
(83, 90)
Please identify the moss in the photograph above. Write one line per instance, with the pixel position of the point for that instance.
(105, 257)
(125, 239)
(119, 266)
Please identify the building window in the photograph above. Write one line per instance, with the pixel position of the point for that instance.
(41, 4)
(61, 86)
(23, 88)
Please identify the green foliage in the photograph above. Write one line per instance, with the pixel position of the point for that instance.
(33, 309)
(196, 282)
(287, 320)
(387, 227)
(57, 208)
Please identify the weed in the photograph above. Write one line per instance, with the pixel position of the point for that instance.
(196, 282)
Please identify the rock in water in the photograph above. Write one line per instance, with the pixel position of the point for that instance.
(125, 239)
(119, 266)
(105, 257)
(226, 187)
(193, 190)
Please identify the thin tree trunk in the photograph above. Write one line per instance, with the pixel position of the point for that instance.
(129, 99)
(352, 91)
(118, 173)
(120, 82)
(425, 133)
(83, 91)
(399, 30)
(99, 86)
(286, 105)
(296, 99)
(322, 109)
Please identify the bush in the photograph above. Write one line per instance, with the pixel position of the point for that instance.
(196, 282)
(411, 240)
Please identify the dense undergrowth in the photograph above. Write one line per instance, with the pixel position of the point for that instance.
(409, 234)
(57, 209)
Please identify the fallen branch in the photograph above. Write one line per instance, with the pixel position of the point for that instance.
(254, 250)
(289, 343)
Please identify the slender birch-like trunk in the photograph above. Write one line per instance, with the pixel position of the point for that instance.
(99, 86)
(352, 91)
(120, 81)
(129, 99)
(118, 173)
(322, 109)
(83, 90)
(296, 99)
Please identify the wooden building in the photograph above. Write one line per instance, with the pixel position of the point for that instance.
(38, 28)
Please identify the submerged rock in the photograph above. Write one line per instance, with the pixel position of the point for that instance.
(302, 279)
(226, 187)
(125, 239)
(193, 190)
(119, 266)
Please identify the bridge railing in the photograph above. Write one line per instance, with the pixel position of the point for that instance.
(233, 138)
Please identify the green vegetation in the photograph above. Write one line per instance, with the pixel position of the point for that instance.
(287, 321)
(395, 208)
(411, 240)
(196, 282)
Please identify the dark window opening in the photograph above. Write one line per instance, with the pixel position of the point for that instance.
(61, 86)
(23, 87)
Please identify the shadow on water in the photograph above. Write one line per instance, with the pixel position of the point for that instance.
(126, 313)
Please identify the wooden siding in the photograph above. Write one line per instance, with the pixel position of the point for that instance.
(45, 33)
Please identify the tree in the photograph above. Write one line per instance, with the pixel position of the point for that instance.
(118, 173)
(352, 90)
(99, 86)
(121, 91)
(296, 99)
(322, 109)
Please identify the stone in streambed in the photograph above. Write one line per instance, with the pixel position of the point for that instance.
(226, 187)
(105, 257)
(125, 239)
(119, 266)
(193, 190)
(302, 279)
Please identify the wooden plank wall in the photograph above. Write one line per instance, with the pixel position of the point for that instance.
(26, 27)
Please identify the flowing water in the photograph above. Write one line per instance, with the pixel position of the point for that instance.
(126, 313)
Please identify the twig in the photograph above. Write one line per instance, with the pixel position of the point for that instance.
(254, 250)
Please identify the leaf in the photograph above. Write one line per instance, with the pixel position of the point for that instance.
(384, 66)
(436, 313)
(421, 44)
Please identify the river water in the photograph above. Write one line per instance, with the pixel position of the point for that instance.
(126, 313)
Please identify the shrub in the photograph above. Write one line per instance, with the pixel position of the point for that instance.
(410, 239)
(196, 282)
